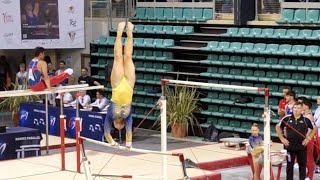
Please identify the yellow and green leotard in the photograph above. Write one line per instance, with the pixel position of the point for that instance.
(120, 107)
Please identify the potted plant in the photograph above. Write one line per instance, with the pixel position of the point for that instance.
(13, 104)
(182, 103)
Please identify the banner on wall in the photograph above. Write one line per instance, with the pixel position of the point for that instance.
(51, 24)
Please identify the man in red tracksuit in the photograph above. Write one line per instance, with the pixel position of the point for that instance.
(307, 105)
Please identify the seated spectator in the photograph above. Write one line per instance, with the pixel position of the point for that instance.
(101, 101)
(67, 98)
(84, 99)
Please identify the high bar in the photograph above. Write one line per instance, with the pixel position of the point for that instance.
(170, 81)
(131, 149)
(63, 89)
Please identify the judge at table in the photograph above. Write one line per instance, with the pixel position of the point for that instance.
(101, 101)
(84, 99)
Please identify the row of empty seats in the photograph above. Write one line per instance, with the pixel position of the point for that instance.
(153, 79)
(138, 42)
(234, 112)
(153, 67)
(295, 78)
(144, 101)
(300, 16)
(229, 99)
(235, 125)
(140, 66)
(173, 14)
(160, 29)
(262, 48)
(152, 55)
(262, 62)
(307, 34)
(140, 113)
(137, 54)
(275, 90)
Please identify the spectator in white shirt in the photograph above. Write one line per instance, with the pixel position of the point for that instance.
(67, 98)
(83, 98)
(101, 101)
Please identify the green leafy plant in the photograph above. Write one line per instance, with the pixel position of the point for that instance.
(13, 103)
(182, 104)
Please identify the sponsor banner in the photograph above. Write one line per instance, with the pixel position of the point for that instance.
(33, 115)
(14, 143)
(48, 23)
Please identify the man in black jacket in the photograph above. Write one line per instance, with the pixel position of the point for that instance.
(298, 132)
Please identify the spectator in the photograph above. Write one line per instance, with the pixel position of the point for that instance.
(51, 71)
(84, 99)
(282, 103)
(5, 80)
(297, 137)
(86, 79)
(21, 77)
(61, 70)
(101, 101)
(290, 100)
(67, 98)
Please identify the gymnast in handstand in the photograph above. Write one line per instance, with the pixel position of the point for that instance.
(122, 82)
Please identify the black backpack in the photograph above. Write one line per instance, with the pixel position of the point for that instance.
(211, 134)
(243, 99)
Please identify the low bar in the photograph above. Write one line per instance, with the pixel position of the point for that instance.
(128, 149)
(169, 81)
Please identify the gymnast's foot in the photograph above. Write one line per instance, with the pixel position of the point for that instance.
(130, 26)
(69, 71)
(121, 27)
(128, 145)
(115, 144)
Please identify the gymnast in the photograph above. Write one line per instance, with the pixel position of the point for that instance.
(38, 78)
(122, 82)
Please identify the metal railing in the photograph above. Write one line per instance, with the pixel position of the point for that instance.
(224, 9)
(104, 8)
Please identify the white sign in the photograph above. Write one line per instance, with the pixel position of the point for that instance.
(51, 24)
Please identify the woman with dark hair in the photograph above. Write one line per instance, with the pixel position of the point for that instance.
(4, 74)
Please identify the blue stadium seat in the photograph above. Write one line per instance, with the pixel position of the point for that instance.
(312, 16)
(140, 13)
(299, 16)
(287, 16)
(158, 14)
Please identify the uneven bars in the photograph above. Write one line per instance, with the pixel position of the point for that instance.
(169, 81)
(61, 87)
(130, 149)
(84, 87)
(266, 121)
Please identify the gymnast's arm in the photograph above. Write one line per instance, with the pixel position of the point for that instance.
(107, 130)
(44, 71)
(129, 122)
